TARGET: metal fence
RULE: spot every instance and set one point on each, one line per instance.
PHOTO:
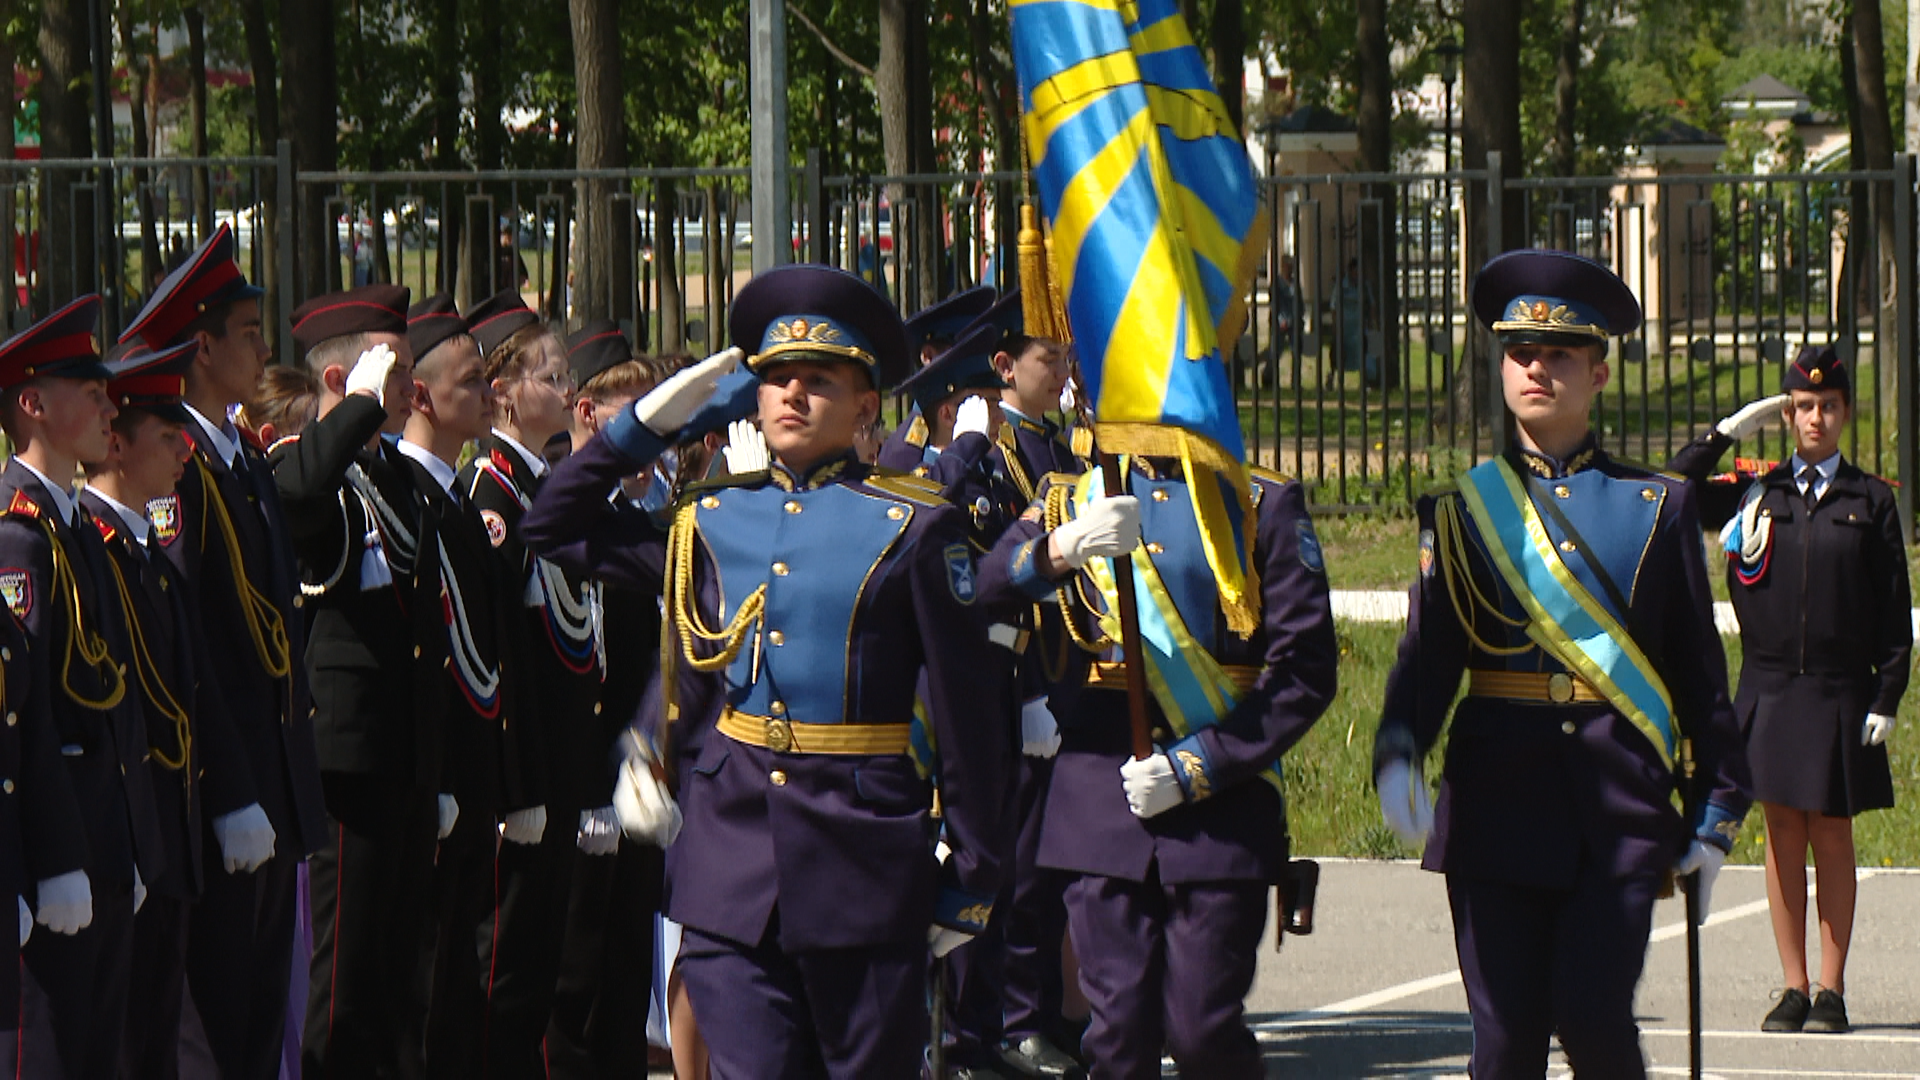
(1361, 370)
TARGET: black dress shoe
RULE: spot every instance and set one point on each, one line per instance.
(1828, 1015)
(1790, 1015)
(1035, 1056)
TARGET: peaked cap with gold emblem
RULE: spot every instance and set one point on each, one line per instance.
(61, 345)
(1537, 296)
(1817, 367)
(805, 311)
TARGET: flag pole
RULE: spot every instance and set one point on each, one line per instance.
(1114, 482)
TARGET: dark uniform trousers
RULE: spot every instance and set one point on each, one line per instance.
(378, 713)
(78, 984)
(605, 978)
(240, 941)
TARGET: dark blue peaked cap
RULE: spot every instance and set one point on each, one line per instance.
(805, 311)
(968, 365)
(1553, 296)
(948, 319)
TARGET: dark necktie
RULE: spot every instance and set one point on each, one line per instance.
(1810, 476)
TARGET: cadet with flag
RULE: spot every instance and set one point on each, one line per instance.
(1570, 588)
(1166, 808)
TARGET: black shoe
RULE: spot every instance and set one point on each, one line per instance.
(1035, 1056)
(1828, 1015)
(1790, 1015)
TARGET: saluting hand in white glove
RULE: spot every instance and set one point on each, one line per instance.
(1752, 416)
(666, 408)
(369, 374)
(974, 417)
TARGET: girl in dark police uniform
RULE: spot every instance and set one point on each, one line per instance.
(1818, 576)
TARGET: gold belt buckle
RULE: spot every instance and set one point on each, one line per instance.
(1560, 688)
(780, 736)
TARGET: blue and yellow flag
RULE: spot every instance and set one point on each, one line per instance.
(1157, 230)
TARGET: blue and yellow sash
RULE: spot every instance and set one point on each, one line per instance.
(1565, 618)
(1193, 689)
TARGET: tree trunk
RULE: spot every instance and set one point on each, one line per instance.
(66, 228)
(984, 26)
(892, 86)
(1489, 122)
(1379, 313)
(1913, 78)
(600, 142)
(266, 118)
(152, 262)
(1229, 36)
(446, 137)
(489, 130)
(666, 267)
(197, 117)
(9, 297)
(1566, 91)
(1874, 151)
(310, 113)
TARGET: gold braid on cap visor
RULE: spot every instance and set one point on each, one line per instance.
(1541, 317)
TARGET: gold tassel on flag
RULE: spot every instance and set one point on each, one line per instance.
(1045, 312)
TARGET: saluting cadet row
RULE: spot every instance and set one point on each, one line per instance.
(875, 714)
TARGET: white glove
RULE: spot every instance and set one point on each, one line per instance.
(1106, 528)
(666, 408)
(1151, 786)
(66, 903)
(26, 920)
(746, 448)
(943, 940)
(1039, 731)
(369, 374)
(1704, 860)
(246, 838)
(599, 832)
(449, 813)
(1752, 417)
(974, 417)
(647, 814)
(139, 892)
(1875, 731)
(1404, 803)
(525, 826)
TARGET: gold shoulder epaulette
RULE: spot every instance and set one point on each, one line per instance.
(716, 483)
(22, 505)
(914, 489)
(917, 432)
(1270, 475)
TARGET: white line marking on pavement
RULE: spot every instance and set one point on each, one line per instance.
(1387, 606)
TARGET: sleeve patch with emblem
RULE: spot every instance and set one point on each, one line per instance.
(1311, 556)
(496, 526)
(1426, 553)
(17, 588)
(164, 512)
(960, 572)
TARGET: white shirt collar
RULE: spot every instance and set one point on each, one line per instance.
(534, 461)
(223, 446)
(1823, 474)
(135, 520)
(62, 494)
(439, 470)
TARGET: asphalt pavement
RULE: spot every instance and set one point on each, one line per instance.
(1375, 990)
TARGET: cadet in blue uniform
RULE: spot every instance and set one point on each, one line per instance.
(228, 539)
(145, 458)
(56, 576)
(805, 876)
(952, 418)
(1172, 856)
(1009, 986)
(934, 328)
(377, 657)
(1596, 682)
(1817, 571)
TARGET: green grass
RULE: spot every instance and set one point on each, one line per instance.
(1331, 808)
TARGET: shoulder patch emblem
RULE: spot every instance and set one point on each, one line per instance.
(164, 512)
(1311, 556)
(496, 526)
(106, 528)
(17, 588)
(22, 505)
(960, 572)
(1426, 553)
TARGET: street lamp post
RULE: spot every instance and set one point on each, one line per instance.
(1449, 53)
